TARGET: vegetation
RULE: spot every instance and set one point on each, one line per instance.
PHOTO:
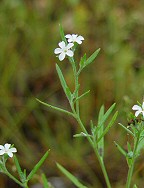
(28, 36)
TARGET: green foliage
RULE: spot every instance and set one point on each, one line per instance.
(28, 36)
(71, 177)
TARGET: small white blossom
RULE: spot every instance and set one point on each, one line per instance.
(7, 149)
(64, 50)
(138, 109)
(74, 38)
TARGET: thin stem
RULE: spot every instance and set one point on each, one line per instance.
(77, 117)
(101, 162)
(131, 168)
(76, 85)
(14, 179)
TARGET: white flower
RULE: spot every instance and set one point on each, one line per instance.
(74, 38)
(64, 50)
(138, 109)
(6, 149)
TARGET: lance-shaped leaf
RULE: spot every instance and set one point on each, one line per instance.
(84, 94)
(37, 166)
(20, 173)
(82, 61)
(126, 129)
(100, 132)
(121, 149)
(92, 57)
(82, 134)
(56, 108)
(62, 33)
(46, 184)
(70, 176)
(107, 114)
(64, 39)
(64, 84)
(111, 123)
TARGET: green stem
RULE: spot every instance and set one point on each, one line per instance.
(102, 165)
(14, 179)
(131, 168)
(101, 162)
(76, 85)
(77, 117)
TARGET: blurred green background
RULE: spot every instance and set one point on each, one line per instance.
(29, 33)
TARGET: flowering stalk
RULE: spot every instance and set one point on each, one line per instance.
(136, 130)
(131, 168)
(78, 119)
(96, 138)
(7, 151)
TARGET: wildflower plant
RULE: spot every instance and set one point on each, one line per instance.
(7, 151)
(135, 129)
(96, 136)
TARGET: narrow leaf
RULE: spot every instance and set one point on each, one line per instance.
(82, 134)
(70, 176)
(111, 123)
(82, 61)
(84, 94)
(100, 132)
(129, 147)
(92, 57)
(45, 181)
(55, 108)
(63, 83)
(20, 173)
(121, 149)
(108, 112)
(37, 166)
(126, 129)
(62, 33)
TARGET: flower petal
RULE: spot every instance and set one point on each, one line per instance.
(70, 45)
(10, 154)
(2, 152)
(1, 147)
(143, 105)
(7, 146)
(61, 56)
(57, 50)
(14, 150)
(137, 113)
(136, 107)
(68, 36)
(62, 44)
(80, 38)
(69, 53)
(78, 41)
(70, 39)
(74, 36)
